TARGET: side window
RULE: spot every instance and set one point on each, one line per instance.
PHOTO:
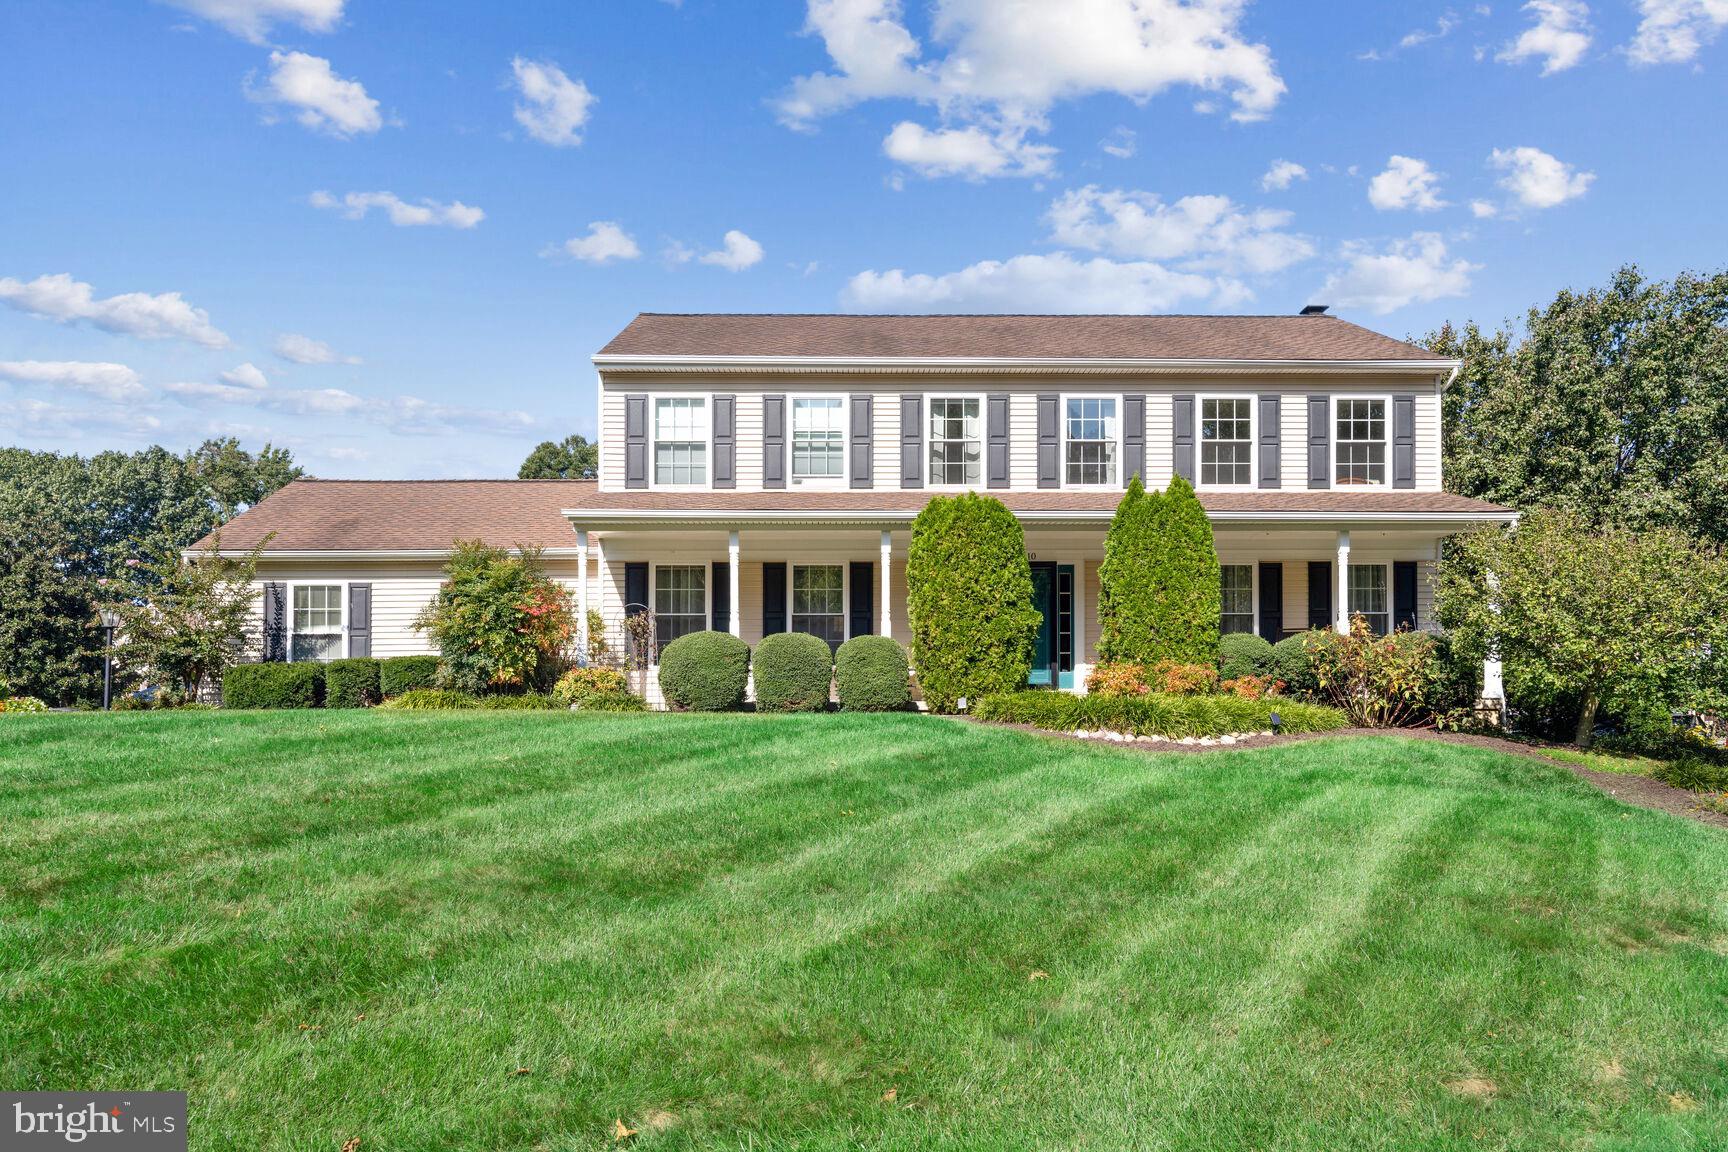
(1236, 586)
(1361, 443)
(681, 440)
(680, 601)
(956, 441)
(818, 437)
(317, 622)
(1091, 427)
(1226, 440)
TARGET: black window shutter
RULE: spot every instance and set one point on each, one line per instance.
(275, 622)
(1319, 593)
(1272, 602)
(635, 441)
(359, 620)
(996, 439)
(1134, 437)
(1049, 441)
(1182, 441)
(1319, 442)
(863, 437)
(911, 441)
(636, 587)
(1403, 441)
(1271, 473)
(720, 597)
(773, 441)
(773, 599)
(862, 594)
(725, 437)
(1404, 594)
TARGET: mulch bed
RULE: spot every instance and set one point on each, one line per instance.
(1639, 791)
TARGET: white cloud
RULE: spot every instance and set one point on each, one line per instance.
(1443, 27)
(426, 213)
(605, 241)
(1674, 31)
(325, 101)
(737, 252)
(970, 152)
(1281, 175)
(1560, 36)
(159, 317)
(1041, 283)
(1203, 233)
(409, 415)
(1410, 271)
(1120, 143)
(1001, 66)
(109, 381)
(1484, 209)
(1406, 183)
(554, 107)
(1537, 179)
(293, 347)
(199, 390)
(76, 421)
(253, 19)
(244, 376)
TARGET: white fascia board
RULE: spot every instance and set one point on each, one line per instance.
(1020, 363)
(403, 554)
(590, 517)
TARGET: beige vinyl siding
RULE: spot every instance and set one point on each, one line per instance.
(1292, 441)
(1428, 441)
(612, 439)
(750, 601)
(1022, 440)
(901, 624)
(747, 429)
(1091, 588)
(1160, 436)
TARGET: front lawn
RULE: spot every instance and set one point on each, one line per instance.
(514, 930)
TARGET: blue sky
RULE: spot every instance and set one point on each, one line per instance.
(390, 235)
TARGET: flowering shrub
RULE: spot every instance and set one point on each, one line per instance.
(1165, 676)
(1185, 679)
(1379, 681)
(1250, 687)
(1117, 680)
(497, 618)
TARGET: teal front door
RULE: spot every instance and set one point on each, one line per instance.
(1053, 596)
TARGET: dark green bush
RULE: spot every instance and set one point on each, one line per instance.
(794, 671)
(273, 685)
(1156, 715)
(400, 674)
(517, 702)
(969, 594)
(431, 700)
(871, 675)
(1244, 654)
(705, 671)
(351, 683)
(612, 702)
(1292, 664)
(1695, 772)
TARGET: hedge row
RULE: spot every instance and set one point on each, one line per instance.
(1156, 715)
(709, 672)
(356, 683)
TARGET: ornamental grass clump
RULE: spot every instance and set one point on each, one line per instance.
(1157, 714)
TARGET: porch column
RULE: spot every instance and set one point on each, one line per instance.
(582, 596)
(1341, 599)
(734, 625)
(1493, 678)
(886, 624)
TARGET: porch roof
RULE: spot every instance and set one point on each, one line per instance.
(385, 519)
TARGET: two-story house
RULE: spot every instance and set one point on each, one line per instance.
(759, 473)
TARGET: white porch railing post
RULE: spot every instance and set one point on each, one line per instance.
(1341, 601)
(734, 623)
(886, 625)
(582, 596)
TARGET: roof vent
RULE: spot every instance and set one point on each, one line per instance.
(1315, 310)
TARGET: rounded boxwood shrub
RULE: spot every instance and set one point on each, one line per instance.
(431, 700)
(1244, 654)
(400, 674)
(870, 675)
(273, 685)
(969, 594)
(705, 671)
(351, 683)
(576, 685)
(1292, 664)
(793, 673)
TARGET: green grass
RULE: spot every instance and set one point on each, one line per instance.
(741, 932)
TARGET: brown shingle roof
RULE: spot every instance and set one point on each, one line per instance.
(1298, 338)
(413, 515)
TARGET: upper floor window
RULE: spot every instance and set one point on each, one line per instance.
(818, 438)
(819, 601)
(1369, 597)
(1091, 440)
(1226, 440)
(1236, 587)
(681, 440)
(680, 601)
(317, 622)
(956, 442)
(1361, 443)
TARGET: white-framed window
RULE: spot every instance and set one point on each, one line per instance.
(316, 627)
(818, 437)
(1091, 431)
(956, 441)
(819, 601)
(1359, 441)
(1236, 598)
(680, 601)
(681, 440)
(1371, 596)
(1226, 441)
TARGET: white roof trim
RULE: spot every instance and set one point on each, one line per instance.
(619, 516)
(1025, 363)
(356, 553)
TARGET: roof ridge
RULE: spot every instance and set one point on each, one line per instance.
(998, 315)
(441, 480)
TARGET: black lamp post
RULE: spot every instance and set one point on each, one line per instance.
(110, 622)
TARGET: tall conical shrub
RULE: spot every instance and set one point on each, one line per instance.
(1127, 606)
(1186, 580)
(969, 594)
